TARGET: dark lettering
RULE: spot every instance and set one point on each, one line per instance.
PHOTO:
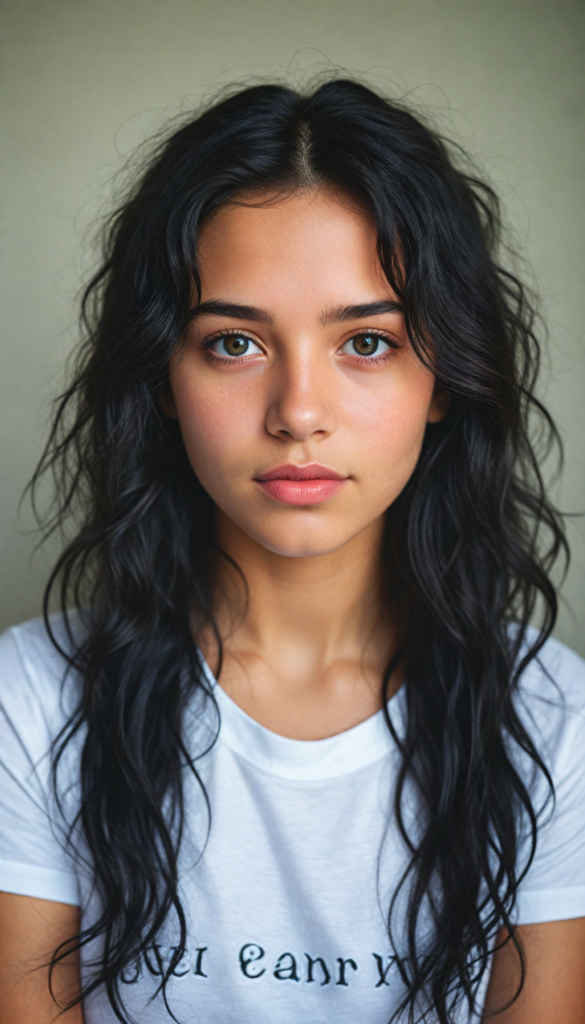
(341, 980)
(317, 960)
(158, 969)
(383, 971)
(176, 972)
(131, 980)
(198, 963)
(248, 955)
(286, 968)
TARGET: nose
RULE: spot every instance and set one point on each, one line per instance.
(302, 403)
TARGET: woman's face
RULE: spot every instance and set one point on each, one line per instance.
(298, 364)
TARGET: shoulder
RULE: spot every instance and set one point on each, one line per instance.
(37, 697)
(550, 700)
(558, 665)
(38, 692)
(551, 704)
(553, 682)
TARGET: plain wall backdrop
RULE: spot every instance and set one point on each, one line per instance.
(84, 81)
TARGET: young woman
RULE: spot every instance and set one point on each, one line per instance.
(292, 752)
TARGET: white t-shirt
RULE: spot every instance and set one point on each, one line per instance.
(286, 903)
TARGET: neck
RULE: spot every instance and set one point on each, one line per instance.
(304, 655)
(307, 613)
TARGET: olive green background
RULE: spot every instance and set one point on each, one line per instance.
(84, 81)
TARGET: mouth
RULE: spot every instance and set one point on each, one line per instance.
(301, 485)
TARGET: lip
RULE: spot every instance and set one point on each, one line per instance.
(301, 485)
(290, 472)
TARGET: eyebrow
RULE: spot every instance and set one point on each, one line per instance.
(233, 310)
(339, 314)
(360, 312)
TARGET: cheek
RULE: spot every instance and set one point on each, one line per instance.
(389, 428)
(216, 431)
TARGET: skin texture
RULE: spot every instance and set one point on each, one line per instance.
(305, 656)
(30, 930)
(554, 990)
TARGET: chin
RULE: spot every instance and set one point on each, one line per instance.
(291, 542)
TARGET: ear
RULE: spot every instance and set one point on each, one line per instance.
(440, 405)
(166, 402)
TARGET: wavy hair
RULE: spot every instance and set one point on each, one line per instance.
(471, 539)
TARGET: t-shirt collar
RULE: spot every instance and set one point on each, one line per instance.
(346, 752)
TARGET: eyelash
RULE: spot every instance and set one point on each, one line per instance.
(208, 343)
(393, 346)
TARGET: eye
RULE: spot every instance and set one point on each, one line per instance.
(366, 344)
(233, 345)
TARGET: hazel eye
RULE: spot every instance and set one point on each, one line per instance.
(366, 345)
(235, 345)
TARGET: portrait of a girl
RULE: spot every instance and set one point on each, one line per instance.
(293, 743)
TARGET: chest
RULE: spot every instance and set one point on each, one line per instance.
(286, 903)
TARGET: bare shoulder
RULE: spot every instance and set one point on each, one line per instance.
(30, 930)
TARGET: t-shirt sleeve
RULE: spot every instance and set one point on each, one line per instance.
(554, 887)
(33, 850)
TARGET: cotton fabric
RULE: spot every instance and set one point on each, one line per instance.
(286, 896)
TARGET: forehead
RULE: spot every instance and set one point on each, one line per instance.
(313, 243)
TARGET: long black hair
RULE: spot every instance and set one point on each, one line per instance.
(471, 539)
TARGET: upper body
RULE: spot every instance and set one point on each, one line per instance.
(286, 898)
(297, 447)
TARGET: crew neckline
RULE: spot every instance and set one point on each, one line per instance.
(308, 760)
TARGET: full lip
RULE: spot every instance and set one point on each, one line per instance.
(313, 471)
(301, 485)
